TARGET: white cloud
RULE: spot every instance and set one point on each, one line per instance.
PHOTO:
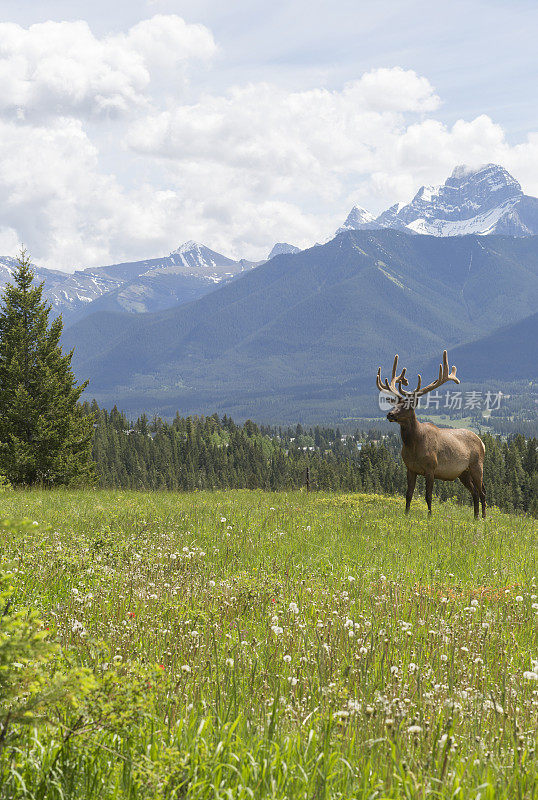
(9, 241)
(168, 41)
(67, 212)
(316, 151)
(394, 89)
(61, 68)
(237, 170)
(265, 128)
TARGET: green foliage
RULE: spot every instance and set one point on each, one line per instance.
(44, 436)
(23, 650)
(32, 682)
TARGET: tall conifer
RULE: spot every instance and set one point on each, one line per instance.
(45, 435)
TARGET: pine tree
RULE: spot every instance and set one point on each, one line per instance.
(45, 434)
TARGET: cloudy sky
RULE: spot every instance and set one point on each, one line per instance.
(127, 127)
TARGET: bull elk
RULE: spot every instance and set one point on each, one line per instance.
(434, 452)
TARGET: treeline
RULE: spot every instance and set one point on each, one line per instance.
(215, 453)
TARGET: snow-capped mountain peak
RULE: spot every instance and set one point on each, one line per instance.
(187, 247)
(461, 170)
(479, 200)
(198, 259)
(282, 248)
(362, 214)
(358, 219)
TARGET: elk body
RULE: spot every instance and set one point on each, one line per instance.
(444, 453)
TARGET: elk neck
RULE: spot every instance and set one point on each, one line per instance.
(409, 429)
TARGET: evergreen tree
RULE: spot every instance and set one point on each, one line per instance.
(45, 434)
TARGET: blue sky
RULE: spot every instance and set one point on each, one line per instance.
(286, 115)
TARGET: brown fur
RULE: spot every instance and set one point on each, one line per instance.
(446, 454)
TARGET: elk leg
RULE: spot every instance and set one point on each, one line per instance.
(467, 481)
(411, 481)
(477, 475)
(429, 490)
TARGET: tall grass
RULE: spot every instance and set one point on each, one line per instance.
(254, 645)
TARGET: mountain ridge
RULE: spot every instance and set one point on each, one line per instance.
(134, 286)
(483, 201)
(311, 324)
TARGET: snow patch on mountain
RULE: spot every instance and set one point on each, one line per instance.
(195, 256)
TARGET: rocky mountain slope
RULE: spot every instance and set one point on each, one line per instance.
(138, 286)
(282, 247)
(312, 325)
(150, 285)
(482, 201)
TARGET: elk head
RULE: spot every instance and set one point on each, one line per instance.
(405, 402)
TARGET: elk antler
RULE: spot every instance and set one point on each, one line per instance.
(401, 380)
(444, 376)
(395, 379)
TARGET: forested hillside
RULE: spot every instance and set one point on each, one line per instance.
(306, 332)
(214, 453)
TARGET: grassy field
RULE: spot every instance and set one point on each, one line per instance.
(256, 645)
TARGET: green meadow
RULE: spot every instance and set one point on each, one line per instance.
(247, 644)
